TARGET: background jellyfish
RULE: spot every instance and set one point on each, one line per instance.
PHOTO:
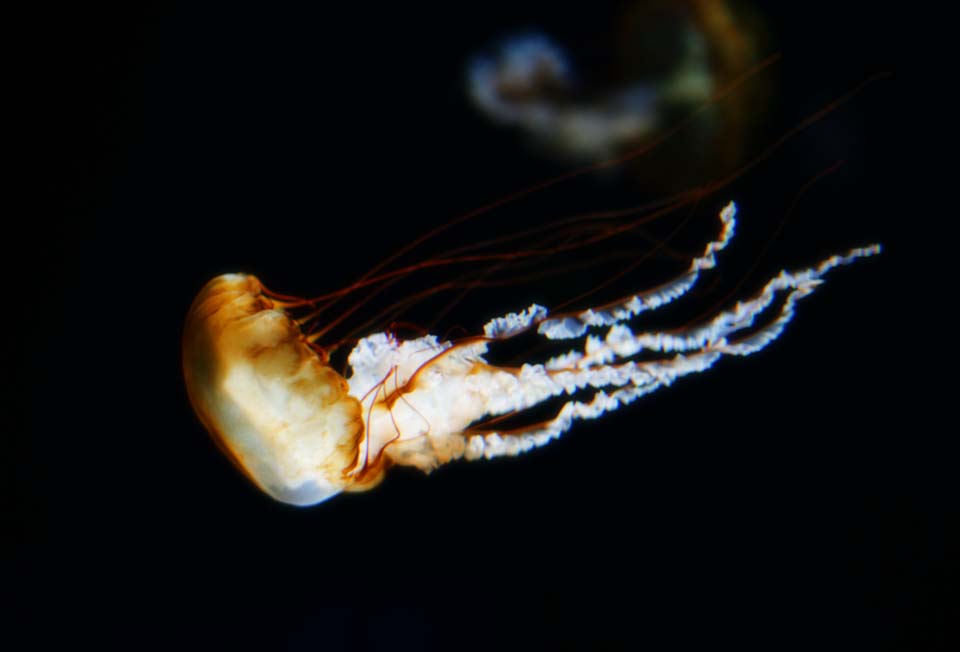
(668, 60)
(528, 84)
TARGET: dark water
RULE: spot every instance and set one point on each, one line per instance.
(798, 499)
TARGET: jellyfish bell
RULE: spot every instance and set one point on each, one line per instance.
(271, 404)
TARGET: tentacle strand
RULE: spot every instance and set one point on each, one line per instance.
(575, 325)
(697, 349)
(440, 394)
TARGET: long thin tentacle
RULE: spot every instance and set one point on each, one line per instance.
(696, 350)
(573, 325)
(453, 399)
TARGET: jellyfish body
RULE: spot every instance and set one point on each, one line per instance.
(662, 60)
(304, 433)
(528, 86)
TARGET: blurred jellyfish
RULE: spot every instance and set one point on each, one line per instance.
(672, 58)
(530, 85)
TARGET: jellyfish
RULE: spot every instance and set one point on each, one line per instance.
(303, 432)
(665, 58)
(529, 84)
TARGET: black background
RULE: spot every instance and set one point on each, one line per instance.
(798, 499)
